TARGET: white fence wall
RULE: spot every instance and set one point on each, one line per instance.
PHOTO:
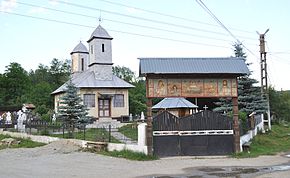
(140, 147)
(36, 138)
(252, 133)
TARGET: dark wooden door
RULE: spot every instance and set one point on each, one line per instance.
(104, 108)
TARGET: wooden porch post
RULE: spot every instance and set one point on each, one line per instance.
(149, 136)
(236, 125)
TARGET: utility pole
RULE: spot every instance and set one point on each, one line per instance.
(264, 75)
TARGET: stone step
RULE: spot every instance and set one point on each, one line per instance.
(106, 119)
(106, 124)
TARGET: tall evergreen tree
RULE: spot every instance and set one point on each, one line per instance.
(249, 96)
(71, 110)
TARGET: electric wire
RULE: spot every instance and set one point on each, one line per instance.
(148, 20)
(168, 15)
(117, 31)
(126, 23)
(200, 2)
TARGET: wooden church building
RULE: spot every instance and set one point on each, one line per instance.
(105, 95)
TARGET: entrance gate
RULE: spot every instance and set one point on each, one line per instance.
(203, 133)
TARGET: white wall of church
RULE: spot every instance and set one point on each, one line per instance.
(96, 53)
(115, 111)
(56, 101)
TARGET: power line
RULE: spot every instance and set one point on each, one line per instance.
(167, 15)
(279, 59)
(223, 26)
(146, 19)
(279, 52)
(126, 23)
(118, 31)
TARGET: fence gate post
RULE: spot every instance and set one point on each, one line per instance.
(236, 125)
(149, 137)
(110, 133)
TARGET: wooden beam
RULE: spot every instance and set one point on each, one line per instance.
(149, 135)
(236, 125)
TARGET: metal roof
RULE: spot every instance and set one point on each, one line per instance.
(87, 79)
(170, 103)
(100, 32)
(80, 48)
(227, 65)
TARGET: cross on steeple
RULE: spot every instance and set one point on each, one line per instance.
(100, 18)
(205, 107)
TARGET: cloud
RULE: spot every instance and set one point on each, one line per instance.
(37, 10)
(53, 2)
(132, 10)
(8, 5)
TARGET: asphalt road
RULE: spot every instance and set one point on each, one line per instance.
(61, 160)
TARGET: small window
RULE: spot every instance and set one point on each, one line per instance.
(119, 100)
(82, 64)
(92, 49)
(89, 100)
(103, 47)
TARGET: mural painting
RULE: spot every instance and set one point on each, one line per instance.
(210, 87)
(160, 88)
(192, 88)
(224, 87)
(174, 87)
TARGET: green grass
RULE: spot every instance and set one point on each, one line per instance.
(130, 131)
(127, 154)
(275, 141)
(93, 134)
(24, 143)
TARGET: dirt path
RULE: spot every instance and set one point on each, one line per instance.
(61, 159)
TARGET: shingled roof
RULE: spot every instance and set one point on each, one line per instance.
(228, 65)
(87, 79)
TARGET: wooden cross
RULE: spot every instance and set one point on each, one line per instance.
(205, 107)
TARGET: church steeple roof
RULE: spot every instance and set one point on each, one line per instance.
(101, 33)
(80, 48)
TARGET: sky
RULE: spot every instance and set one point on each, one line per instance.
(33, 32)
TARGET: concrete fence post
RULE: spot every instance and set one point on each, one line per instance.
(142, 134)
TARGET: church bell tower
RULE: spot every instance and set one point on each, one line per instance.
(100, 54)
(79, 57)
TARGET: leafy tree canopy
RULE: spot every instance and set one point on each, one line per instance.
(124, 73)
(137, 95)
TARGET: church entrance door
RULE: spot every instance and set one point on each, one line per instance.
(104, 108)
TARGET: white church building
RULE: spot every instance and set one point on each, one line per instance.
(105, 95)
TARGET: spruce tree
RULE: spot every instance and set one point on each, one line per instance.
(71, 110)
(249, 96)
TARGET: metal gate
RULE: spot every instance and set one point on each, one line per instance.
(203, 133)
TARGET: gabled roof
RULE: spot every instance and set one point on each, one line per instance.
(101, 33)
(80, 48)
(228, 65)
(170, 103)
(87, 79)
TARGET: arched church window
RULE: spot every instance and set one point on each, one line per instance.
(103, 47)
